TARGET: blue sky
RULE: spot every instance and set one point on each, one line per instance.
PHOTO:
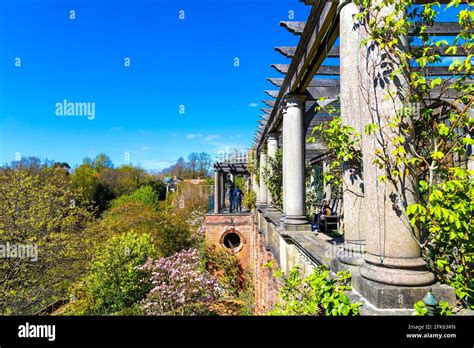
(173, 62)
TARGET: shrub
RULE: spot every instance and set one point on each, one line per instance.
(170, 233)
(115, 283)
(443, 309)
(179, 285)
(317, 294)
(226, 266)
(145, 194)
(447, 221)
(249, 199)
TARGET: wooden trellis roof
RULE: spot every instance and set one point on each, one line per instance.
(306, 74)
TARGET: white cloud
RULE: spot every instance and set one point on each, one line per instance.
(193, 136)
(211, 137)
(253, 105)
(145, 148)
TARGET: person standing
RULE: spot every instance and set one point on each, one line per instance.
(238, 199)
(231, 199)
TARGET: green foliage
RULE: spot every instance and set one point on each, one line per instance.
(38, 208)
(115, 284)
(420, 309)
(253, 165)
(170, 233)
(236, 282)
(100, 182)
(239, 182)
(249, 199)
(317, 294)
(87, 179)
(228, 269)
(273, 177)
(145, 194)
(447, 219)
(344, 144)
(443, 309)
(173, 235)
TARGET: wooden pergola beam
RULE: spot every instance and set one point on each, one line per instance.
(289, 51)
(272, 93)
(295, 28)
(316, 82)
(442, 51)
(270, 103)
(441, 29)
(323, 70)
(316, 93)
(281, 68)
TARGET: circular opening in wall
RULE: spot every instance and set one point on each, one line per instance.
(232, 240)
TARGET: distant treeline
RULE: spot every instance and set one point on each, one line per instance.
(98, 179)
(197, 166)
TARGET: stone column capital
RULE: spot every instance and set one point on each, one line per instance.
(293, 100)
(273, 135)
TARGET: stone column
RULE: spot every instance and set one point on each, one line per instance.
(294, 157)
(263, 195)
(285, 192)
(352, 185)
(222, 191)
(272, 147)
(216, 192)
(393, 254)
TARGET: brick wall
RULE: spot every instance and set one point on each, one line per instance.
(251, 253)
(219, 225)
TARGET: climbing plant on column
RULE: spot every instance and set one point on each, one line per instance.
(342, 141)
(432, 130)
(273, 177)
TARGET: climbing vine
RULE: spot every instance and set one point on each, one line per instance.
(273, 177)
(343, 142)
(253, 164)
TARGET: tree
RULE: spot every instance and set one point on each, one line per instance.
(193, 163)
(145, 194)
(102, 161)
(179, 167)
(204, 164)
(170, 234)
(45, 213)
(88, 181)
(124, 179)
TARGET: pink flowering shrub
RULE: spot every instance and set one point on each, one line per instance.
(180, 284)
